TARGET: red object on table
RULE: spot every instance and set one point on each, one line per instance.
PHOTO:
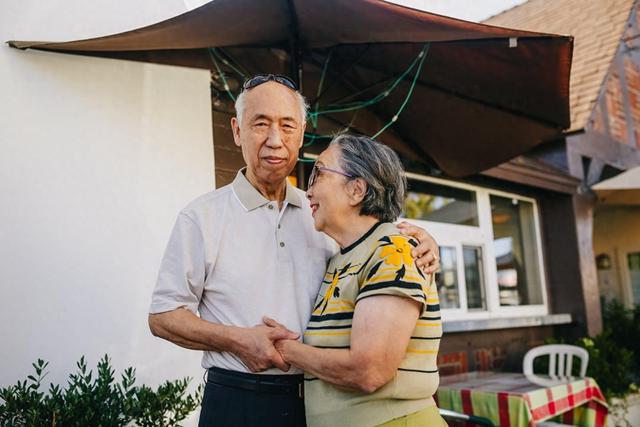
(511, 400)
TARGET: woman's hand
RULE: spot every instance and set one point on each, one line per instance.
(284, 346)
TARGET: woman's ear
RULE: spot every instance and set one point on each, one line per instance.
(357, 190)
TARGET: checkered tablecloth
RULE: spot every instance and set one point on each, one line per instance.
(511, 400)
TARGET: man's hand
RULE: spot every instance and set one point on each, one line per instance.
(427, 253)
(255, 347)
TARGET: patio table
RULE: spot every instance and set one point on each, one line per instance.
(510, 399)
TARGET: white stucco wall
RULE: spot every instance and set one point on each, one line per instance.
(97, 157)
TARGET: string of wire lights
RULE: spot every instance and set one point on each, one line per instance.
(314, 115)
(237, 68)
(221, 74)
(422, 55)
(353, 106)
(339, 108)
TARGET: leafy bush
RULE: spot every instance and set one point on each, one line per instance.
(610, 364)
(624, 327)
(99, 401)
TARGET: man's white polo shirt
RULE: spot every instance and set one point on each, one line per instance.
(234, 257)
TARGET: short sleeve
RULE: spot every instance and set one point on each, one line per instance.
(391, 270)
(182, 270)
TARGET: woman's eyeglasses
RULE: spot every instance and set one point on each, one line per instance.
(259, 79)
(317, 169)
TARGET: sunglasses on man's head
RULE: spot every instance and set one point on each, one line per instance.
(257, 80)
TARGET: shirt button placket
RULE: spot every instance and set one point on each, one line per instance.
(281, 243)
(279, 234)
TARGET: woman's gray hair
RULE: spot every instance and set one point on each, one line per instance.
(380, 167)
(241, 100)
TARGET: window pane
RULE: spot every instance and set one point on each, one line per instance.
(634, 274)
(440, 203)
(516, 251)
(473, 277)
(447, 278)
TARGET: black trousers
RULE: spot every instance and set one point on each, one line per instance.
(241, 399)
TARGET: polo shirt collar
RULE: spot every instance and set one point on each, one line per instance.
(292, 196)
(250, 198)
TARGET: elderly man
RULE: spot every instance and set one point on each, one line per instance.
(245, 251)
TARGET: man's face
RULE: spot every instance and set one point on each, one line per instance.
(271, 133)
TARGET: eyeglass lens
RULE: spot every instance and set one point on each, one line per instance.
(312, 176)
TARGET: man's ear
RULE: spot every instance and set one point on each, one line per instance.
(357, 190)
(235, 128)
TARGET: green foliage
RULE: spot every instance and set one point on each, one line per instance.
(624, 327)
(95, 401)
(418, 205)
(166, 406)
(610, 364)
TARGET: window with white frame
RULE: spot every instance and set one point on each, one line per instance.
(491, 260)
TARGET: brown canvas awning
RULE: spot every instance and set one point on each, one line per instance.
(485, 94)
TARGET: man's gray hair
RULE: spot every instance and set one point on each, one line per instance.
(241, 100)
(380, 167)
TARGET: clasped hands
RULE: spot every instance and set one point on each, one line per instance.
(257, 347)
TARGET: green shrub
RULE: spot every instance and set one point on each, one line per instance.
(95, 401)
(624, 327)
(610, 364)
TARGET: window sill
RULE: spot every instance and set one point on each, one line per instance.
(453, 326)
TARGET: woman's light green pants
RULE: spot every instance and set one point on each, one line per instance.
(428, 417)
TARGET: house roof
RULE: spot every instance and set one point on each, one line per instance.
(597, 27)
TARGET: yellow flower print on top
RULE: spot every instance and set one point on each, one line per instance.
(331, 288)
(332, 291)
(398, 253)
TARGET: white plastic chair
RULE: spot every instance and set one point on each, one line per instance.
(560, 363)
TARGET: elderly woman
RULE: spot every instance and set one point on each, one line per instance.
(369, 351)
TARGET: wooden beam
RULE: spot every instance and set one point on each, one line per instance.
(595, 145)
(530, 172)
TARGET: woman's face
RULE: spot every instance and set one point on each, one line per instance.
(328, 196)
